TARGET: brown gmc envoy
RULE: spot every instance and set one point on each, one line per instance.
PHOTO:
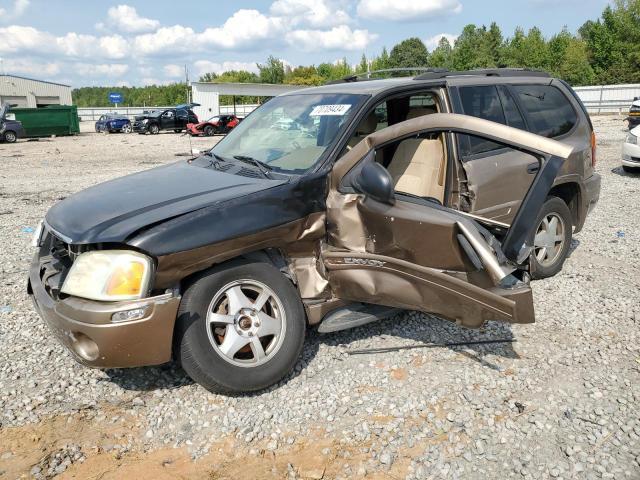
(329, 207)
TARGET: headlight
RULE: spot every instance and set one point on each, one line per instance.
(632, 139)
(109, 275)
(146, 120)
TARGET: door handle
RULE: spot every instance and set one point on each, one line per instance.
(533, 167)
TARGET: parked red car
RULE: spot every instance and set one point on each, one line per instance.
(218, 124)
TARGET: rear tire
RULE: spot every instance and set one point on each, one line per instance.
(551, 239)
(256, 311)
(126, 128)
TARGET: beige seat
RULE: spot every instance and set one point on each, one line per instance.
(416, 112)
(366, 127)
(418, 167)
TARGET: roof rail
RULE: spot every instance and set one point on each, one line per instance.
(487, 72)
(367, 75)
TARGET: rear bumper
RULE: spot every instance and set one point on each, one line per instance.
(85, 327)
(592, 191)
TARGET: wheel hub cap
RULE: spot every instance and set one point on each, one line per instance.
(246, 323)
(549, 239)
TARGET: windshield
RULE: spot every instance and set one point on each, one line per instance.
(290, 133)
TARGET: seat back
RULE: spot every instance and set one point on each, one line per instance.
(418, 167)
(366, 127)
(416, 112)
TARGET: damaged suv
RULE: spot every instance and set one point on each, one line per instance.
(224, 260)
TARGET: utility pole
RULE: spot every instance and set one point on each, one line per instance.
(186, 77)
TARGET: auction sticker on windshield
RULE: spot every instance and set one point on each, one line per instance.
(339, 109)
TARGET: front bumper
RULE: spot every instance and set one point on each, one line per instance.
(85, 327)
(140, 127)
(193, 130)
(631, 155)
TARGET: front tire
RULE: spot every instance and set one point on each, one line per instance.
(208, 131)
(629, 169)
(551, 239)
(154, 129)
(240, 328)
(10, 136)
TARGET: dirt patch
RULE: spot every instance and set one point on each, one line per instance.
(34, 451)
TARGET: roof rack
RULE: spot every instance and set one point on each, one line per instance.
(486, 72)
(429, 73)
(367, 75)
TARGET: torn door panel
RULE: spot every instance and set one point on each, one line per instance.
(396, 283)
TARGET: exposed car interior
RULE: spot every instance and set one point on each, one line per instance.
(417, 165)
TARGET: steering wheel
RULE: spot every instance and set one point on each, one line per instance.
(296, 145)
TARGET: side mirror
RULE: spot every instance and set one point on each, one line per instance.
(374, 181)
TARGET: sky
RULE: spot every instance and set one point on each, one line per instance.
(133, 43)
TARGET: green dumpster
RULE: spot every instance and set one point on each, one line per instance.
(49, 120)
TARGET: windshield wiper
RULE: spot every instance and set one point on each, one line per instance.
(262, 166)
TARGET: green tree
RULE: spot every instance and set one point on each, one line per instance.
(513, 54)
(472, 49)
(381, 62)
(535, 52)
(363, 66)
(613, 43)
(441, 56)
(409, 53)
(272, 71)
(495, 44)
(304, 76)
(575, 67)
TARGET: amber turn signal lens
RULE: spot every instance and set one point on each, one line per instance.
(593, 149)
(126, 279)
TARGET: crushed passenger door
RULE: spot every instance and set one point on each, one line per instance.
(415, 254)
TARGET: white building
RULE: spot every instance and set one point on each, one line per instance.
(27, 92)
(207, 94)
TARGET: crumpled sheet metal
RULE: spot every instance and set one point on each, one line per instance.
(310, 276)
(397, 283)
(298, 238)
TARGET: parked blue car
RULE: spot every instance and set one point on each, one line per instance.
(113, 123)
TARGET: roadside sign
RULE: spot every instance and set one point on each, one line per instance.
(115, 97)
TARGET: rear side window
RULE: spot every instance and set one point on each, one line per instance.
(549, 112)
(482, 102)
(511, 112)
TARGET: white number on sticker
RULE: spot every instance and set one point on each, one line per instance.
(320, 110)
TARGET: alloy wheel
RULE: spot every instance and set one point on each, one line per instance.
(246, 323)
(126, 128)
(549, 240)
(10, 137)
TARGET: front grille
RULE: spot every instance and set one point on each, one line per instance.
(55, 257)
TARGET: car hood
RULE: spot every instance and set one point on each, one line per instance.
(114, 210)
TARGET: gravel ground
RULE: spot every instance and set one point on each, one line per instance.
(559, 402)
